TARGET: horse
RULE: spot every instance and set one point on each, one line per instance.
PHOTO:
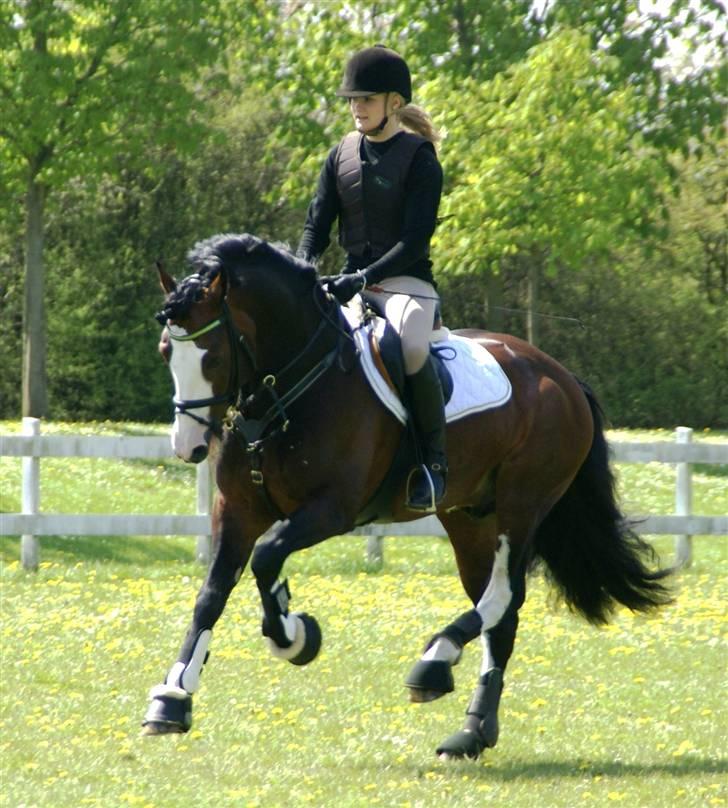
(267, 383)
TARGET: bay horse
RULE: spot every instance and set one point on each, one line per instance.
(266, 379)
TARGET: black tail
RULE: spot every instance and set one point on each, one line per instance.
(591, 552)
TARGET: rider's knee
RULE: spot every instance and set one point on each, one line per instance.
(415, 355)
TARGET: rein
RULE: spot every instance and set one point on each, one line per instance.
(254, 433)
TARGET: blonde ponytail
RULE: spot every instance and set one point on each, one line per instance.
(417, 120)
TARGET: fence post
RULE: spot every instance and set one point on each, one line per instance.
(203, 549)
(30, 498)
(375, 551)
(683, 499)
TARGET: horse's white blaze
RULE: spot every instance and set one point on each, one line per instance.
(494, 601)
(189, 384)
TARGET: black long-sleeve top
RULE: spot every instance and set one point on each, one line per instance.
(409, 256)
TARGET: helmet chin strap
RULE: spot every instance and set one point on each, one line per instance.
(385, 120)
(378, 129)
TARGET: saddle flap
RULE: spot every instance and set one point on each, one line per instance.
(386, 348)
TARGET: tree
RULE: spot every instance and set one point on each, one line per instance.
(544, 165)
(672, 56)
(700, 220)
(79, 78)
(471, 40)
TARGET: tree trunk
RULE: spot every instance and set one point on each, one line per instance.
(532, 316)
(494, 302)
(35, 398)
(464, 35)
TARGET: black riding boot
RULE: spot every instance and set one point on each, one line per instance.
(426, 486)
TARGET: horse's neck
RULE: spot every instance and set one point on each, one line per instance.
(284, 322)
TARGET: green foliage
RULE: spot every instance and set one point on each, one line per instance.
(543, 161)
(79, 78)
(699, 217)
(562, 130)
(11, 310)
(103, 289)
(681, 98)
(314, 40)
(640, 331)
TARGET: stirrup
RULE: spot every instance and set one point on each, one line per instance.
(422, 500)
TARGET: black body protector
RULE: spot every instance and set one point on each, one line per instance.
(372, 193)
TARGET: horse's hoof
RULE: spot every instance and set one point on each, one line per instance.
(429, 680)
(312, 642)
(162, 728)
(420, 696)
(167, 714)
(463, 744)
(306, 643)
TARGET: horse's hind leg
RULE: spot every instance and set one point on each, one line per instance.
(523, 502)
(474, 542)
(431, 677)
(498, 609)
(497, 606)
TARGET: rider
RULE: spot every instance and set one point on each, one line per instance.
(383, 183)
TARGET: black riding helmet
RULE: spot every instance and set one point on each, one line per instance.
(376, 70)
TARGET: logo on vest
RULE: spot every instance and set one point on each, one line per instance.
(382, 182)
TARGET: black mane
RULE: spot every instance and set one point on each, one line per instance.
(234, 253)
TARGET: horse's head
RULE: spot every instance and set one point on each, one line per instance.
(222, 329)
(196, 347)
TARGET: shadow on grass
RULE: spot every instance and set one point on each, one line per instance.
(115, 549)
(551, 769)
(714, 469)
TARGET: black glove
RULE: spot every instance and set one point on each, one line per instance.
(345, 287)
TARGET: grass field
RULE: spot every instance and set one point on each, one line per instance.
(634, 714)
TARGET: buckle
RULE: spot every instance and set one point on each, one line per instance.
(256, 476)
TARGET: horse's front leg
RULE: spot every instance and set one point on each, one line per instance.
(293, 636)
(170, 708)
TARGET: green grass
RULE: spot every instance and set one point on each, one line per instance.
(633, 714)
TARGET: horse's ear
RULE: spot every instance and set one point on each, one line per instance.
(166, 281)
(218, 285)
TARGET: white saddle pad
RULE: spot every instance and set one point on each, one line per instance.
(479, 381)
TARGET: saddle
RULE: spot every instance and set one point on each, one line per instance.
(471, 378)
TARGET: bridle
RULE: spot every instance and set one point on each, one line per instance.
(253, 432)
(235, 339)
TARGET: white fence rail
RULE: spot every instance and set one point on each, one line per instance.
(32, 522)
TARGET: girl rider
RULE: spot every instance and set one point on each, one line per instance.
(383, 184)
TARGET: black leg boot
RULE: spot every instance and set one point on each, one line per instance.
(426, 485)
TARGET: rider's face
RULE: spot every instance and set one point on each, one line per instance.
(368, 111)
